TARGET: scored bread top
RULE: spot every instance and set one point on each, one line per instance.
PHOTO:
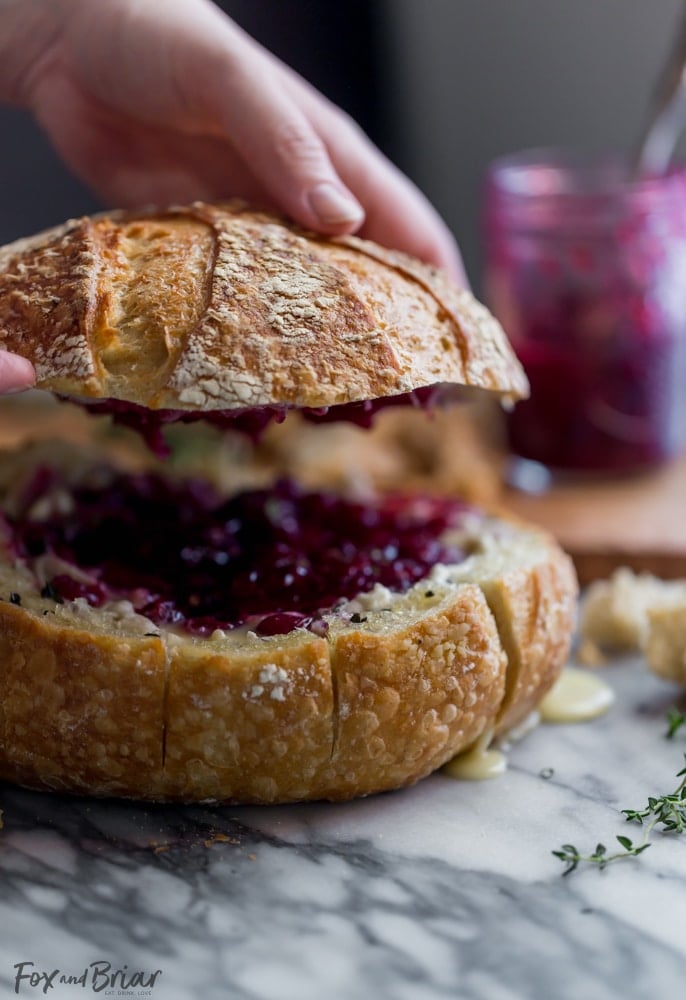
(213, 307)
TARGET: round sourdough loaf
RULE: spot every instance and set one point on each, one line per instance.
(214, 307)
(103, 701)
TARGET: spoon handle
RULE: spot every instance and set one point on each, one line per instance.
(668, 115)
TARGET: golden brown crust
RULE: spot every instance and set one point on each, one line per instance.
(92, 703)
(288, 719)
(531, 588)
(81, 712)
(410, 700)
(220, 307)
(536, 611)
(251, 725)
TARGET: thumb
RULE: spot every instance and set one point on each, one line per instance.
(16, 373)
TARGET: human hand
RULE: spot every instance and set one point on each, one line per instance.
(150, 101)
(15, 373)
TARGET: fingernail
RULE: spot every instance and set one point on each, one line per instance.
(16, 373)
(334, 206)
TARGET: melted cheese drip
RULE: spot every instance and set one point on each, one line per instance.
(576, 696)
(478, 763)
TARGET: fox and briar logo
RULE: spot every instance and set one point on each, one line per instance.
(99, 976)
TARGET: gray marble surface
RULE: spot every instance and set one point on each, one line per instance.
(445, 890)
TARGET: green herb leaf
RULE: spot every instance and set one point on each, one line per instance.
(666, 812)
(675, 720)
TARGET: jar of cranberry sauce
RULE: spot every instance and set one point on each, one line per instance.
(586, 269)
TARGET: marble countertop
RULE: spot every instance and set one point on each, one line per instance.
(445, 890)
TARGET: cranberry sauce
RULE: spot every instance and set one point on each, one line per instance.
(252, 421)
(273, 560)
(607, 406)
(586, 269)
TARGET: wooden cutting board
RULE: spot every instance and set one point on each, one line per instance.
(638, 522)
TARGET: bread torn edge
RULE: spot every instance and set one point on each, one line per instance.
(636, 613)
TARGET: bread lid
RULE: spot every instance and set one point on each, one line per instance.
(216, 307)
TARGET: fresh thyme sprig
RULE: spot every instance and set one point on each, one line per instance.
(665, 811)
(573, 858)
(668, 810)
(675, 720)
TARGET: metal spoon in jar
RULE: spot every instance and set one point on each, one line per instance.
(668, 115)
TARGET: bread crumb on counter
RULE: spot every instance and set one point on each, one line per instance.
(636, 612)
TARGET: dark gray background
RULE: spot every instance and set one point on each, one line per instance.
(441, 85)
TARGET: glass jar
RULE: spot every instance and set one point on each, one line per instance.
(586, 270)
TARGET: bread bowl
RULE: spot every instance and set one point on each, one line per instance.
(101, 692)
